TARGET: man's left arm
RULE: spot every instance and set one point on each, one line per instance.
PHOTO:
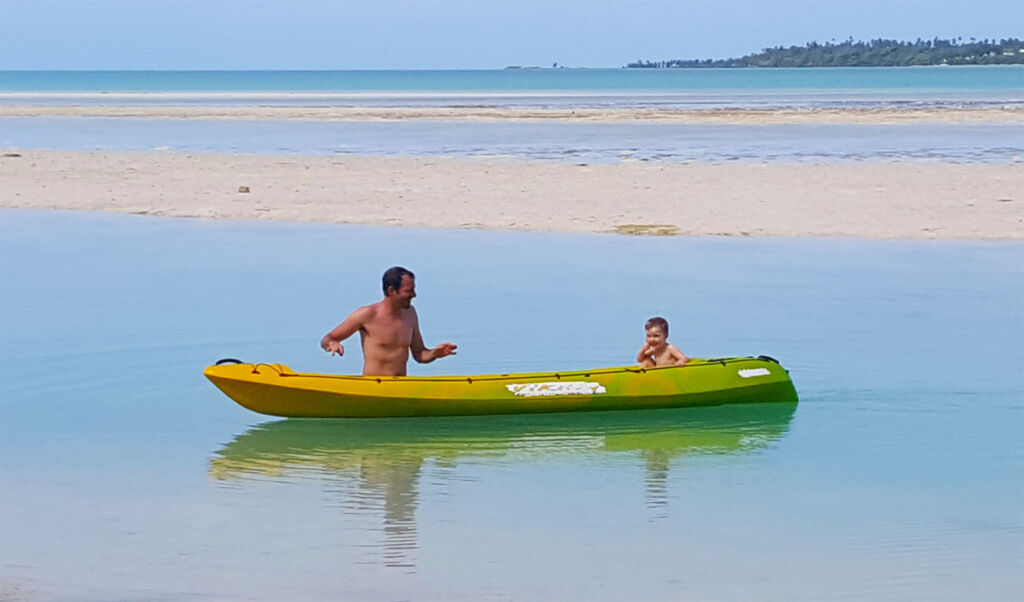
(419, 351)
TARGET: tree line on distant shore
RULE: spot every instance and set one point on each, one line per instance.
(874, 53)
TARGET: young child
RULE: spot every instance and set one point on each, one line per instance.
(657, 351)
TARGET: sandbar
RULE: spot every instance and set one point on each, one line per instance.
(1000, 113)
(887, 200)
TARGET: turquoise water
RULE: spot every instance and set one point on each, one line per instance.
(125, 476)
(623, 88)
(878, 78)
(840, 88)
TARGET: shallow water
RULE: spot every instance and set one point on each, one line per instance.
(124, 475)
(505, 87)
(998, 143)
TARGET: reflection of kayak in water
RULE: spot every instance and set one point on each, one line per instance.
(276, 448)
(277, 390)
(383, 469)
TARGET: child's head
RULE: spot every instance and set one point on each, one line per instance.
(657, 330)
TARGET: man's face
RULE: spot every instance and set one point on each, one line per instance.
(406, 292)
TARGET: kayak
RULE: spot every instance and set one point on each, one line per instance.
(277, 390)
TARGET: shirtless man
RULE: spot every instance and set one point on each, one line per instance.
(389, 329)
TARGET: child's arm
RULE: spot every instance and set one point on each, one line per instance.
(643, 357)
(677, 355)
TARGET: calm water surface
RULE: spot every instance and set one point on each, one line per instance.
(999, 143)
(803, 89)
(125, 476)
(833, 88)
(531, 87)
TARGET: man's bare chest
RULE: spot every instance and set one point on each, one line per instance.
(389, 333)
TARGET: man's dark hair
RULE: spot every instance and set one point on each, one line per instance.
(393, 278)
(659, 322)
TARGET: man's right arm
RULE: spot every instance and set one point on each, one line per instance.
(331, 342)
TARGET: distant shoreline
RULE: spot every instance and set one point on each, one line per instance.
(511, 68)
(873, 53)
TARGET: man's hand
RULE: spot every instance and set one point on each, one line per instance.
(333, 347)
(444, 350)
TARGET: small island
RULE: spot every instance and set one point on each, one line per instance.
(874, 53)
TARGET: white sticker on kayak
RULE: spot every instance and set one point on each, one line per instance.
(559, 388)
(750, 372)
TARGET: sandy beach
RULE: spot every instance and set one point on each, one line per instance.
(909, 200)
(111, 107)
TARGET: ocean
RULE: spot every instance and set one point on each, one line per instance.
(516, 89)
(529, 87)
(992, 143)
(126, 476)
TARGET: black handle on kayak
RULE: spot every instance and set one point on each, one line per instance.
(228, 360)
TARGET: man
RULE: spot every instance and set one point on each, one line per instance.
(389, 329)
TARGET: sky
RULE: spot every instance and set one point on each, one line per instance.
(458, 34)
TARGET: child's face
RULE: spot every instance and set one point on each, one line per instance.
(655, 337)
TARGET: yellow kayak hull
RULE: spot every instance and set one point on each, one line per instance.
(277, 390)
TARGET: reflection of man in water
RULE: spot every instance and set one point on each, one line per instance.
(388, 329)
(394, 480)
